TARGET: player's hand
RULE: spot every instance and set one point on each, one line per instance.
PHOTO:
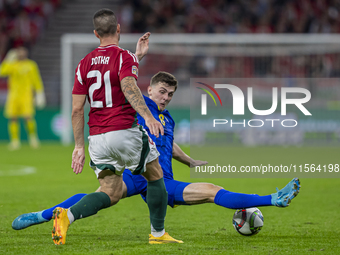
(194, 163)
(78, 159)
(11, 55)
(154, 126)
(142, 46)
(40, 100)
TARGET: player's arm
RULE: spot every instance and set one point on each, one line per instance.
(36, 78)
(142, 46)
(40, 98)
(133, 94)
(6, 66)
(78, 155)
(179, 155)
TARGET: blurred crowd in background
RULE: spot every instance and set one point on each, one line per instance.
(238, 16)
(22, 21)
(231, 16)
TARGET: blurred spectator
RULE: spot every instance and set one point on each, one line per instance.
(240, 16)
(22, 21)
(233, 16)
(3, 35)
(23, 31)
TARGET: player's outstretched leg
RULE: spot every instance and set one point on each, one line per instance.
(61, 224)
(199, 193)
(33, 218)
(283, 197)
(89, 205)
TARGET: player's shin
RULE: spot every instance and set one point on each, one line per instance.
(90, 205)
(48, 213)
(31, 126)
(14, 129)
(157, 200)
(233, 200)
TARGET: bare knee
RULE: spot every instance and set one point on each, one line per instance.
(153, 171)
(114, 196)
(199, 193)
(210, 191)
(111, 184)
(214, 189)
(115, 199)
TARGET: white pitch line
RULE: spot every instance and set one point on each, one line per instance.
(16, 170)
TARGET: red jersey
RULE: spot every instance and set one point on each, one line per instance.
(98, 76)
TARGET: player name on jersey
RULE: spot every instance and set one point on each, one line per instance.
(100, 60)
(98, 76)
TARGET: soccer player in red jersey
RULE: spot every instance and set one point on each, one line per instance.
(107, 77)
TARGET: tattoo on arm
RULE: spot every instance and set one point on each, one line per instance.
(134, 96)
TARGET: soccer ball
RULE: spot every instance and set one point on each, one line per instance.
(248, 221)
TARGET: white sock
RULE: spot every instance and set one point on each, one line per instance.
(70, 216)
(156, 233)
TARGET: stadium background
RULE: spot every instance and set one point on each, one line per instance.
(39, 25)
(32, 180)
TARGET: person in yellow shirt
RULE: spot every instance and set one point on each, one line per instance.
(24, 82)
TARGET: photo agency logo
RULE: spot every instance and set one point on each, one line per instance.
(289, 96)
(204, 97)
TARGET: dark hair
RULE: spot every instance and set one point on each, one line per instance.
(164, 77)
(105, 22)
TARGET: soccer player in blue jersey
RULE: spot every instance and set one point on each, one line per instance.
(161, 90)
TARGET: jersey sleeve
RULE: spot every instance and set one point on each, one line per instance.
(128, 65)
(6, 68)
(78, 86)
(36, 78)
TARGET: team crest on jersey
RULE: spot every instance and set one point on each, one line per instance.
(135, 70)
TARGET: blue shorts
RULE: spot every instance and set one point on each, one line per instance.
(136, 184)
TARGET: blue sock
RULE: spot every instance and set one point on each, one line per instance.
(48, 213)
(238, 200)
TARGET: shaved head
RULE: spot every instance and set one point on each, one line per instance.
(105, 22)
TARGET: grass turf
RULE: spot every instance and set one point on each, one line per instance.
(309, 225)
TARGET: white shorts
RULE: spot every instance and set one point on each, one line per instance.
(123, 149)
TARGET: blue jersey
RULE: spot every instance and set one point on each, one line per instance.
(164, 142)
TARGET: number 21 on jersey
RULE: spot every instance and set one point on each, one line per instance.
(97, 85)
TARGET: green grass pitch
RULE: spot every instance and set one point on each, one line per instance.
(32, 180)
